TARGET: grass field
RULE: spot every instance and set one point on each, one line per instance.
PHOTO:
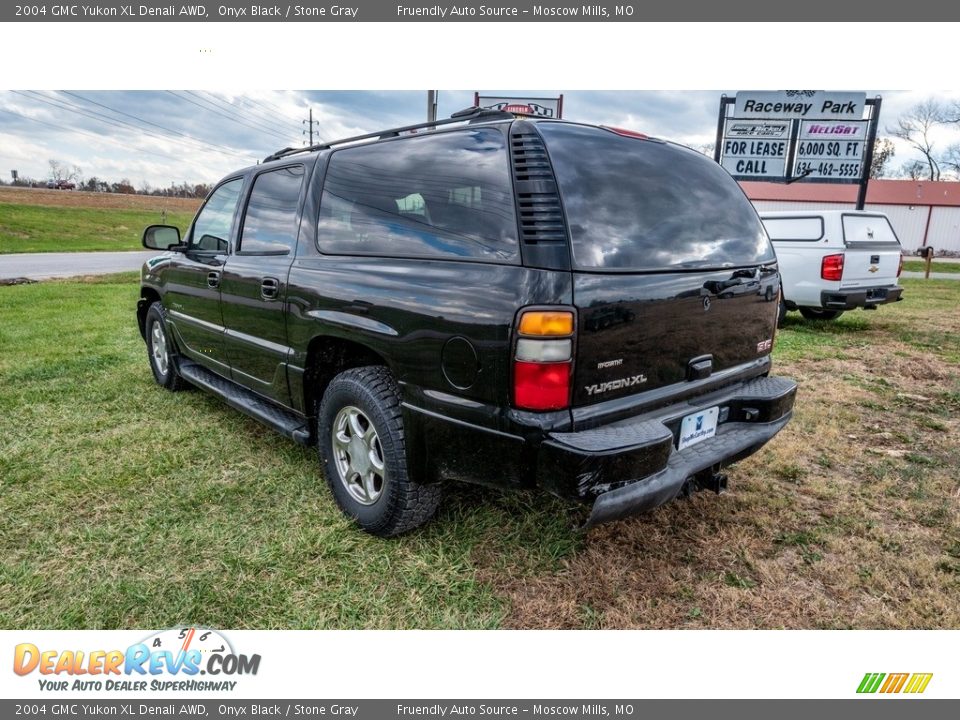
(920, 266)
(61, 221)
(124, 505)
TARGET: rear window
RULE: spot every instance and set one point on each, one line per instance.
(868, 230)
(447, 195)
(643, 205)
(794, 228)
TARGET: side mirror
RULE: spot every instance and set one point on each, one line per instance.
(161, 237)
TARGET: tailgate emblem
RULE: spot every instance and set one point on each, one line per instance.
(626, 382)
(873, 268)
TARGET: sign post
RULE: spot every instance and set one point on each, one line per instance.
(791, 135)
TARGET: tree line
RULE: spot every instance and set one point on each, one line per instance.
(61, 172)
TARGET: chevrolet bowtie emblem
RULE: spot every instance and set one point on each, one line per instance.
(873, 268)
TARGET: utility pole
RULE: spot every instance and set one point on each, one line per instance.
(431, 105)
(310, 123)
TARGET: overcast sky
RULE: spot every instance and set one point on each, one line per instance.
(193, 136)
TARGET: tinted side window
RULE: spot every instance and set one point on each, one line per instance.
(270, 224)
(211, 229)
(444, 195)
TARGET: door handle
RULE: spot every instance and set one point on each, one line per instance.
(269, 288)
(213, 279)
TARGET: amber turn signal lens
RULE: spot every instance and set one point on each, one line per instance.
(546, 323)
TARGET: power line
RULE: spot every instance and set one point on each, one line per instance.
(198, 141)
(270, 107)
(259, 112)
(230, 109)
(102, 138)
(274, 111)
(100, 117)
(209, 107)
(205, 169)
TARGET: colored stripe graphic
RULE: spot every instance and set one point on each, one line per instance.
(894, 683)
(870, 682)
(918, 683)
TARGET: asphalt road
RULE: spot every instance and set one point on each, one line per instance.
(38, 266)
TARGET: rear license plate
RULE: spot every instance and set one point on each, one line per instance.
(697, 427)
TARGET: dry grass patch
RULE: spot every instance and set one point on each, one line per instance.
(76, 198)
(848, 519)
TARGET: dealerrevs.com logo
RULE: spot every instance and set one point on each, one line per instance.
(169, 660)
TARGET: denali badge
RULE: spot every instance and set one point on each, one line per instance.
(615, 384)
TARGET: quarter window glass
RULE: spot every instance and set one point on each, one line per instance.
(444, 195)
(270, 225)
(211, 229)
(798, 228)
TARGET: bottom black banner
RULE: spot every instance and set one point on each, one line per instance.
(869, 708)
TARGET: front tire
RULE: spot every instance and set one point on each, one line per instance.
(818, 314)
(362, 448)
(160, 350)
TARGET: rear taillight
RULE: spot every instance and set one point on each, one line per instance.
(831, 267)
(542, 360)
(900, 266)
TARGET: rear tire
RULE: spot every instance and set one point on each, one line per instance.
(161, 351)
(362, 448)
(817, 314)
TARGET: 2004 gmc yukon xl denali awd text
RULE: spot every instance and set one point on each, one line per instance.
(492, 299)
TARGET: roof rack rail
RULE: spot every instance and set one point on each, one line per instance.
(471, 114)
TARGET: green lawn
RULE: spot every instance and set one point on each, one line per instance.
(920, 266)
(125, 506)
(36, 228)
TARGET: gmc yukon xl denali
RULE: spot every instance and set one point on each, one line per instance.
(488, 298)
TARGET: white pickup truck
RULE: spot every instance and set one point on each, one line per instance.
(834, 260)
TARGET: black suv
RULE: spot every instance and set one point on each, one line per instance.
(488, 298)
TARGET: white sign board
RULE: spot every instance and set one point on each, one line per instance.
(803, 104)
(830, 149)
(755, 148)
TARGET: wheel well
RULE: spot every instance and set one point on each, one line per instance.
(148, 297)
(326, 358)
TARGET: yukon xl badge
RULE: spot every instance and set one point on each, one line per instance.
(615, 384)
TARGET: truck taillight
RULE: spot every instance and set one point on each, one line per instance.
(542, 363)
(831, 267)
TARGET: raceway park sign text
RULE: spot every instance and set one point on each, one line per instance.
(802, 104)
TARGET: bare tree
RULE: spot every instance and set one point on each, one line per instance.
(883, 152)
(60, 171)
(914, 170)
(915, 127)
(951, 159)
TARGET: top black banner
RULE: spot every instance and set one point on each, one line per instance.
(475, 11)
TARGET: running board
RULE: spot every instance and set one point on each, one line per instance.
(283, 421)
